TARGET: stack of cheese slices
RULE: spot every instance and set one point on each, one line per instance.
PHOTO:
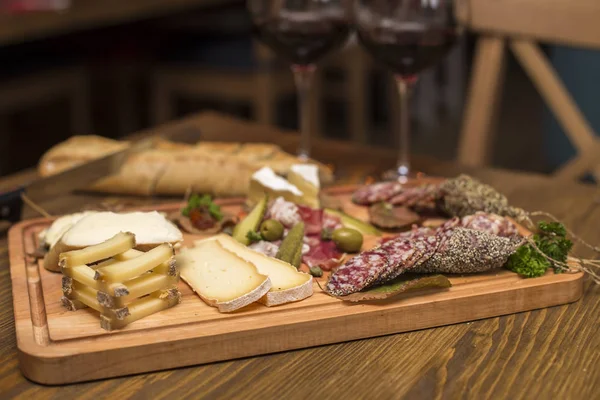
(122, 284)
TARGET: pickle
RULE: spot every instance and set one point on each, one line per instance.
(351, 222)
(291, 247)
(251, 222)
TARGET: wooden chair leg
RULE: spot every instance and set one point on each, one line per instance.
(476, 138)
(264, 100)
(560, 102)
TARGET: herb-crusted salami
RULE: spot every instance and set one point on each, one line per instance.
(358, 272)
(469, 251)
(376, 192)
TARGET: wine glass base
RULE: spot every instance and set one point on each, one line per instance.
(401, 174)
(303, 156)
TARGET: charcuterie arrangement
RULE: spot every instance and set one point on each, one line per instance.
(283, 244)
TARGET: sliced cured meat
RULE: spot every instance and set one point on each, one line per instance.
(469, 251)
(312, 218)
(284, 211)
(358, 272)
(423, 195)
(415, 232)
(422, 249)
(323, 254)
(384, 215)
(331, 222)
(491, 223)
(376, 192)
(399, 251)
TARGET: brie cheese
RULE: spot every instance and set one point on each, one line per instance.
(265, 181)
(306, 178)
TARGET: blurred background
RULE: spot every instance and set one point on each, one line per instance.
(113, 67)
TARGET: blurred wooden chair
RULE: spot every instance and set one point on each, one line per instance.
(518, 25)
(259, 85)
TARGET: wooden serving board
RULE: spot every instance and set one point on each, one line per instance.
(58, 346)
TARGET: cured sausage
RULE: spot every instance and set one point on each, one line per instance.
(469, 251)
(376, 192)
(491, 223)
(358, 272)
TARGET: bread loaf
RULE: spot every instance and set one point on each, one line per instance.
(218, 168)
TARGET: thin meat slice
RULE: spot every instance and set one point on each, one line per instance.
(491, 223)
(312, 218)
(376, 192)
(358, 272)
(323, 254)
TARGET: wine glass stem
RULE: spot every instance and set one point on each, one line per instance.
(303, 75)
(404, 88)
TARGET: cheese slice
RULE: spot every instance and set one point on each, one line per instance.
(288, 284)
(266, 181)
(221, 278)
(306, 178)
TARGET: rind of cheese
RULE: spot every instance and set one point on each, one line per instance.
(266, 181)
(151, 304)
(288, 284)
(221, 278)
(306, 178)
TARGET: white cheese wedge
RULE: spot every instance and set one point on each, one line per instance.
(221, 278)
(150, 229)
(49, 237)
(306, 178)
(266, 181)
(288, 284)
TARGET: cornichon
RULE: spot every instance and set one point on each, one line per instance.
(351, 222)
(251, 222)
(291, 247)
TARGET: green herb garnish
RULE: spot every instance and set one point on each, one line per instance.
(254, 236)
(551, 240)
(204, 201)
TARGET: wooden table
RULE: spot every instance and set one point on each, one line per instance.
(550, 353)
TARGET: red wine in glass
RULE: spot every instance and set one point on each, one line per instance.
(407, 48)
(303, 41)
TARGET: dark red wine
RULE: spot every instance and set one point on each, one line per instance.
(407, 48)
(303, 41)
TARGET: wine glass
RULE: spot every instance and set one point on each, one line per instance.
(302, 32)
(406, 36)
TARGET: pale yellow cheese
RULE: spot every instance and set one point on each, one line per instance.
(288, 284)
(221, 278)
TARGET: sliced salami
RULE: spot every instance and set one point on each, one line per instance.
(469, 251)
(491, 223)
(419, 197)
(358, 272)
(399, 251)
(376, 192)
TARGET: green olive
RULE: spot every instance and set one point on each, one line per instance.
(347, 239)
(271, 230)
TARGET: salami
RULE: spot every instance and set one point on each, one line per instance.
(358, 272)
(491, 223)
(469, 251)
(376, 192)
(399, 251)
(416, 197)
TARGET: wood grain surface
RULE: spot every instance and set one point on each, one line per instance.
(550, 353)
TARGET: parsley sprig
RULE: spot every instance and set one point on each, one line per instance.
(204, 201)
(552, 241)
